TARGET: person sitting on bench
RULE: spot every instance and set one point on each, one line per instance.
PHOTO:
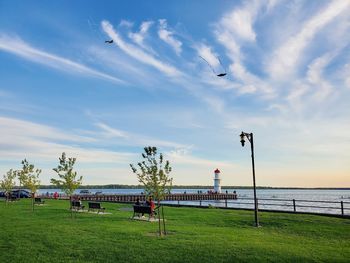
(152, 205)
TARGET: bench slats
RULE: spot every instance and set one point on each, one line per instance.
(96, 206)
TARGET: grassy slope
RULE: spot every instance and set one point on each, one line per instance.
(196, 235)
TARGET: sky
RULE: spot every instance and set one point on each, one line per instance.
(63, 89)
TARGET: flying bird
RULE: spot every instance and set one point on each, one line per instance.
(221, 74)
(218, 75)
(109, 41)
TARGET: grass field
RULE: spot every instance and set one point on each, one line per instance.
(195, 235)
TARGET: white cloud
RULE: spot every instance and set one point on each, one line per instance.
(315, 77)
(20, 48)
(233, 30)
(167, 36)
(188, 159)
(20, 139)
(138, 54)
(126, 23)
(239, 22)
(205, 52)
(285, 59)
(16, 127)
(120, 63)
(132, 138)
(346, 75)
(111, 132)
(139, 37)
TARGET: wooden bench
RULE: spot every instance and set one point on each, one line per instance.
(142, 209)
(96, 206)
(38, 201)
(77, 205)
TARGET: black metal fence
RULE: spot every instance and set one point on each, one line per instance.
(272, 204)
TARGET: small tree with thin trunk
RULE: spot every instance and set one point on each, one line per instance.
(68, 181)
(153, 173)
(29, 178)
(8, 183)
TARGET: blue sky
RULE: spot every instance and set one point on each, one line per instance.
(287, 62)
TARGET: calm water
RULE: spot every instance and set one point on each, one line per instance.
(245, 196)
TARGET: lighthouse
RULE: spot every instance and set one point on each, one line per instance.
(217, 186)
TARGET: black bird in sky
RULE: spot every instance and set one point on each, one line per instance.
(109, 41)
(221, 74)
(211, 67)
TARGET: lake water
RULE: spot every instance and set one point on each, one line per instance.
(279, 199)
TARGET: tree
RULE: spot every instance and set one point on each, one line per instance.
(68, 181)
(29, 178)
(153, 173)
(8, 183)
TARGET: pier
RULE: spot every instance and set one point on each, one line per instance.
(129, 198)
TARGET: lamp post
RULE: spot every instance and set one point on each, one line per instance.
(249, 136)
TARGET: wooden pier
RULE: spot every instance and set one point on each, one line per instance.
(127, 198)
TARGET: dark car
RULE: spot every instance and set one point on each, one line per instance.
(2, 194)
(20, 193)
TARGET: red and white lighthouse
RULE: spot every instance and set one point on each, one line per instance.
(217, 180)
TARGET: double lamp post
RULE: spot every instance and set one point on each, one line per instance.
(249, 137)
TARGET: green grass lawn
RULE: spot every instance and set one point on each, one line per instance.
(195, 235)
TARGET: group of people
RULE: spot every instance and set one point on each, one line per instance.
(149, 203)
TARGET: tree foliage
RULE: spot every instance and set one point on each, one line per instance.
(68, 181)
(8, 182)
(153, 173)
(29, 176)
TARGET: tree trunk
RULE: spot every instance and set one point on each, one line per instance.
(159, 225)
(70, 207)
(32, 202)
(163, 221)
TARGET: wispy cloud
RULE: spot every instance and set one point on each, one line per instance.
(137, 53)
(126, 23)
(17, 127)
(139, 37)
(234, 29)
(167, 36)
(133, 139)
(315, 77)
(239, 22)
(180, 157)
(20, 139)
(285, 59)
(111, 132)
(22, 49)
(206, 52)
(346, 75)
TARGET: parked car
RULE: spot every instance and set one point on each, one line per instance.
(2, 194)
(21, 193)
(85, 192)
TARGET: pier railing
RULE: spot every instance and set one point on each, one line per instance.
(169, 197)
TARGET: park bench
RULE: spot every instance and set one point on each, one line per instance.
(142, 209)
(12, 198)
(38, 201)
(96, 206)
(77, 205)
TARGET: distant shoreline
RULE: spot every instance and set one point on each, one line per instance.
(117, 186)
